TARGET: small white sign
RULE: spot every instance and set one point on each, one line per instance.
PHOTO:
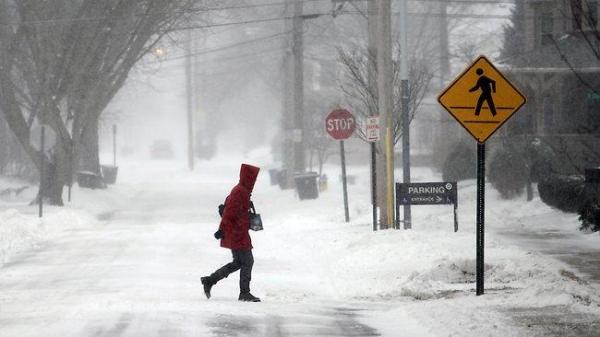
(49, 137)
(372, 129)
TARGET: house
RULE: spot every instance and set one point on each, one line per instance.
(552, 51)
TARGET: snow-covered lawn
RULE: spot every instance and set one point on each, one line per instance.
(419, 282)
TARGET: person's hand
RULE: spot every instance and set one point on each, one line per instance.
(219, 234)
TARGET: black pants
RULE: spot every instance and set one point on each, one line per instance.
(243, 261)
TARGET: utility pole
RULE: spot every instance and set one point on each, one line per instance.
(190, 98)
(202, 130)
(298, 85)
(443, 136)
(444, 53)
(405, 106)
(385, 103)
(287, 128)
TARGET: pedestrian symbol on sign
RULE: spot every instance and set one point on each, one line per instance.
(487, 86)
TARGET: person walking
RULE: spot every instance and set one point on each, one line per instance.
(234, 235)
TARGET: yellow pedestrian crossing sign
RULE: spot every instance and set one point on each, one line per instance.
(481, 99)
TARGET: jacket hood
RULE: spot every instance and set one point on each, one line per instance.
(248, 174)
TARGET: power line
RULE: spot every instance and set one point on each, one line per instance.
(188, 11)
(263, 54)
(214, 9)
(209, 51)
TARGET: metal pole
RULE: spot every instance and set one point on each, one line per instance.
(374, 184)
(397, 204)
(298, 85)
(189, 94)
(455, 218)
(372, 73)
(114, 145)
(42, 160)
(405, 107)
(345, 187)
(480, 216)
(389, 152)
(287, 115)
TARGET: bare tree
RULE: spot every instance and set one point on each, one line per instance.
(63, 61)
(358, 67)
(319, 143)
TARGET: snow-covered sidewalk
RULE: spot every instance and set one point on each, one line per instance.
(127, 261)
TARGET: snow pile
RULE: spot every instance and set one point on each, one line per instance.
(307, 251)
(14, 190)
(21, 231)
(18, 232)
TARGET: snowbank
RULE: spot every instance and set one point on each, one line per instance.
(20, 232)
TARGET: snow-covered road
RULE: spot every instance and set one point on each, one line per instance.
(137, 275)
(127, 262)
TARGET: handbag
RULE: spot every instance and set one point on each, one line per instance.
(255, 219)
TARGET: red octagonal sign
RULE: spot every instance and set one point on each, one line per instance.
(340, 124)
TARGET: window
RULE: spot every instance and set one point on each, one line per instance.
(545, 24)
(592, 16)
(547, 28)
(576, 11)
(584, 14)
(592, 109)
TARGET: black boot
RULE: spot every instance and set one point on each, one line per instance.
(248, 297)
(207, 282)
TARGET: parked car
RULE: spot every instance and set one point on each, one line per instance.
(161, 149)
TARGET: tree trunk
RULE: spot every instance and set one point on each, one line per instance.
(529, 185)
(57, 171)
(88, 154)
(88, 149)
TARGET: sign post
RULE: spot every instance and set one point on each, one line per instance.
(481, 99)
(42, 160)
(373, 135)
(42, 139)
(340, 125)
(114, 130)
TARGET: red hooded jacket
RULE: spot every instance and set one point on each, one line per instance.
(236, 220)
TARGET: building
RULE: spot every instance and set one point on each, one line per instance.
(553, 52)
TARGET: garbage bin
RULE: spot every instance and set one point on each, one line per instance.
(109, 174)
(274, 176)
(87, 179)
(282, 180)
(306, 185)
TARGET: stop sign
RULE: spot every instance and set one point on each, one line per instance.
(340, 124)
